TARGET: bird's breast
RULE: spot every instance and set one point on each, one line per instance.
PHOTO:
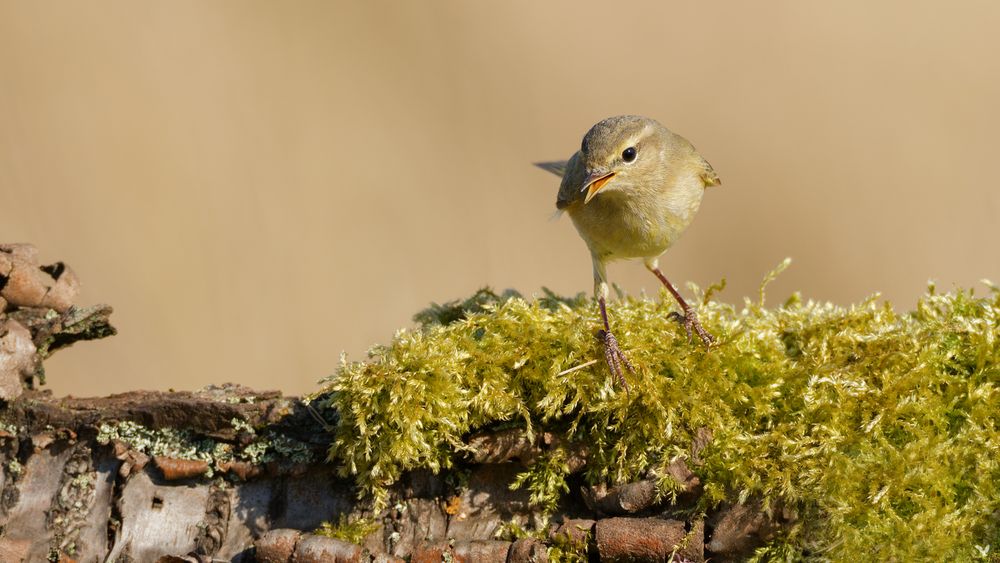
(623, 224)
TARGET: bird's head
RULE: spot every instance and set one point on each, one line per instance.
(619, 152)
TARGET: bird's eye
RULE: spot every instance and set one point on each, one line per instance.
(628, 155)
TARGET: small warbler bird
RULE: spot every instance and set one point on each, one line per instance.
(631, 190)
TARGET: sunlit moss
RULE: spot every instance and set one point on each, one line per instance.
(349, 529)
(545, 480)
(878, 428)
(569, 548)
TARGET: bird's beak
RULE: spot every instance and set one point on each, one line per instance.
(594, 182)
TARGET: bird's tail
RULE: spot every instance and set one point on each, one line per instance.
(557, 167)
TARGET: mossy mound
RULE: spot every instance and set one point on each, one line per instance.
(878, 429)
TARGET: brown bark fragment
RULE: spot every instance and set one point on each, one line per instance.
(17, 358)
(21, 251)
(42, 440)
(579, 531)
(430, 552)
(695, 545)
(242, 469)
(485, 551)
(151, 513)
(702, 438)
(420, 521)
(174, 469)
(739, 529)
(36, 487)
(26, 283)
(179, 559)
(5, 264)
(645, 539)
(25, 286)
(61, 295)
(321, 549)
(487, 502)
(634, 497)
(514, 445)
(528, 550)
(621, 499)
(576, 452)
(505, 445)
(132, 461)
(153, 409)
(277, 546)
(683, 476)
(92, 539)
(14, 550)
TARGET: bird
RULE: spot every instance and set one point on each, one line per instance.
(631, 191)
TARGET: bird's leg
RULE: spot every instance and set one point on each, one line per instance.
(689, 319)
(612, 352)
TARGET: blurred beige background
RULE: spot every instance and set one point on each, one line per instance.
(258, 186)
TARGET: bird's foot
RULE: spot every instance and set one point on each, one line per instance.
(615, 357)
(691, 324)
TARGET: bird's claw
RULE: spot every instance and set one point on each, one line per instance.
(692, 326)
(615, 357)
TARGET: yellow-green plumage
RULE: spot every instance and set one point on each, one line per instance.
(648, 204)
(631, 190)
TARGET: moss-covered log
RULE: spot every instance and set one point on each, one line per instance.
(142, 476)
(494, 432)
(851, 429)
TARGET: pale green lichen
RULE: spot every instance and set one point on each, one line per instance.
(879, 429)
(15, 467)
(285, 448)
(183, 444)
(72, 502)
(255, 452)
(168, 442)
(276, 447)
(249, 400)
(241, 425)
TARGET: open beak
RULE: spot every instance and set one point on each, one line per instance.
(594, 182)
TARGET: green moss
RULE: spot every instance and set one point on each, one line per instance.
(879, 429)
(545, 480)
(353, 530)
(513, 530)
(564, 548)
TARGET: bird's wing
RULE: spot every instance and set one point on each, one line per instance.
(557, 167)
(572, 181)
(708, 175)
